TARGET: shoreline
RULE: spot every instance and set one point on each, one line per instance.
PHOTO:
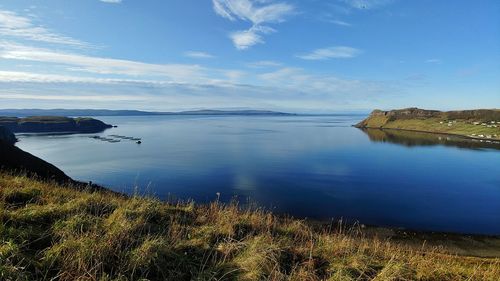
(98, 234)
(462, 244)
(455, 243)
(491, 140)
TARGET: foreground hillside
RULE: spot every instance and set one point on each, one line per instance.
(56, 232)
(7, 136)
(480, 124)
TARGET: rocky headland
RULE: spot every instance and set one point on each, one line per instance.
(483, 124)
(53, 124)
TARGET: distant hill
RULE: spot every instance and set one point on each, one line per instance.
(106, 112)
(43, 124)
(480, 123)
(229, 112)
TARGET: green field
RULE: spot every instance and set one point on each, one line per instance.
(51, 232)
(458, 127)
(438, 125)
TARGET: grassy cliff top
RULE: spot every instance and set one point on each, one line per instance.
(481, 123)
(44, 119)
(51, 232)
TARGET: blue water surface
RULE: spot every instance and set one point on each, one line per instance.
(306, 166)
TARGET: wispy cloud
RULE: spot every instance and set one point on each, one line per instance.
(258, 12)
(234, 75)
(435, 61)
(263, 63)
(330, 53)
(285, 88)
(51, 77)
(30, 77)
(327, 86)
(198, 55)
(367, 4)
(341, 23)
(16, 26)
(85, 98)
(244, 39)
(176, 86)
(111, 1)
(99, 65)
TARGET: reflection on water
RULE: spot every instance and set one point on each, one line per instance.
(307, 166)
(411, 138)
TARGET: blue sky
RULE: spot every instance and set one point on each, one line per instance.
(289, 55)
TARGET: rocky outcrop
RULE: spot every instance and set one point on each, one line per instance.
(46, 124)
(7, 136)
(476, 115)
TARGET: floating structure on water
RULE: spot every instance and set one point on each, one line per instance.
(116, 138)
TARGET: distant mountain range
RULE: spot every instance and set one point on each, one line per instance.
(107, 112)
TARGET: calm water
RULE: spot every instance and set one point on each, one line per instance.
(316, 167)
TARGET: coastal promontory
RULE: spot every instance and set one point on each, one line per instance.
(50, 124)
(479, 124)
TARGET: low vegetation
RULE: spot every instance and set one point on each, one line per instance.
(53, 232)
(481, 124)
(456, 127)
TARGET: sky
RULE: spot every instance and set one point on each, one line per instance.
(310, 56)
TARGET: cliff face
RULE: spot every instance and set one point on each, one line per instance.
(379, 118)
(16, 160)
(44, 124)
(7, 136)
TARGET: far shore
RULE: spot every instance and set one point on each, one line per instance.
(481, 124)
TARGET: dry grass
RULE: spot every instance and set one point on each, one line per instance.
(50, 232)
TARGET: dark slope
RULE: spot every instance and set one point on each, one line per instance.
(14, 159)
(7, 136)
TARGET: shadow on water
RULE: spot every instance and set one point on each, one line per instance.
(412, 139)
